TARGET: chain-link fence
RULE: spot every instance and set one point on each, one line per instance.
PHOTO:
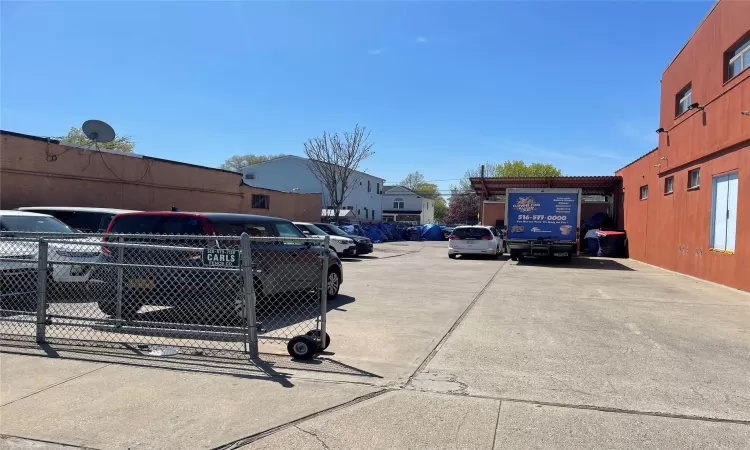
(167, 293)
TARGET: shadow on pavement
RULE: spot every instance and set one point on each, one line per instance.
(580, 262)
(268, 367)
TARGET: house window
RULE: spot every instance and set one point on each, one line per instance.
(377, 188)
(373, 214)
(684, 100)
(669, 185)
(249, 176)
(369, 188)
(738, 59)
(644, 192)
(724, 212)
(358, 212)
(261, 201)
(694, 178)
(398, 203)
(366, 213)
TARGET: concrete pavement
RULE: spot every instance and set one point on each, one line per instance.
(431, 353)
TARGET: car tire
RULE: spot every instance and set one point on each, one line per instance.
(452, 255)
(333, 283)
(302, 347)
(513, 256)
(315, 334)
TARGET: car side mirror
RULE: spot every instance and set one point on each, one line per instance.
(306, 233)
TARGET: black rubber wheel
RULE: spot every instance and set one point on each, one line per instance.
(128, 311)
(333, 284)
(315, 334)
(513, 256)
(452, 255)
(302, 347)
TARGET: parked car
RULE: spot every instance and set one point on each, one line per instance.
(364, 245)
(475, 240)
(87, 220)
(19, 276)
(279, 266)
(343, 246)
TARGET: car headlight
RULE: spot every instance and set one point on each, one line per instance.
(343, 241)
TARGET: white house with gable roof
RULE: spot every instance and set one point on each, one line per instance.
(293, 174)
(401, 204)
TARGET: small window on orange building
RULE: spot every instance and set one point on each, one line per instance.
(738, 58)
(669, 185)
(644, 192)
(694, 178)
(684, 100)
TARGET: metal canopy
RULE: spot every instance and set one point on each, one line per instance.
(591, 185)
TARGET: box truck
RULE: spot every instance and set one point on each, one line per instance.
(542, 222)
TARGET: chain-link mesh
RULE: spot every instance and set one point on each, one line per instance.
(165, 292)
(289, 276)
(19, 277)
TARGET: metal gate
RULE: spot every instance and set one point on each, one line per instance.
(167, 293)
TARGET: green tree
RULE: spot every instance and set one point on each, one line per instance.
(413, 180)
(120, 143)
(519, 168)
(237, 162)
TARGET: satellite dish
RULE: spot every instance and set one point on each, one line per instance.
(98, 131)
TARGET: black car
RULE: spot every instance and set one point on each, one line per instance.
(156, 276)
(364, 245)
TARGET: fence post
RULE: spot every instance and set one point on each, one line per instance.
(120, 262)
(324, 292)
(248, 292)
(41, 293)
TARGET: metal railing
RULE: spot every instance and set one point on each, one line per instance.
(167, 293)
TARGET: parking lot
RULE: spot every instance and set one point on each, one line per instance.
(427, 352)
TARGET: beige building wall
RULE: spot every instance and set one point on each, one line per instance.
(37, 172)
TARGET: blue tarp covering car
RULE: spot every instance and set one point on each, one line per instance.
(432, 232)
(394, 231)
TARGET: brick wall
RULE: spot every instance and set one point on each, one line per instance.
(102, 179)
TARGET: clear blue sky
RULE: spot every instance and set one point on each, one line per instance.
(442, 86)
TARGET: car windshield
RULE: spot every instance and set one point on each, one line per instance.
(315, 231)
(471, 233)
(333, 230)
(40, 224)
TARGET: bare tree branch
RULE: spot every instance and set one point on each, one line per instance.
(335, 161)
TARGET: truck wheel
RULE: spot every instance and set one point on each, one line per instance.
(302, 347)
(315, 334)
(452, 255)
(513, 256)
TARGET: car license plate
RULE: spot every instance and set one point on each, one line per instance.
(561, 254)
(142, 283)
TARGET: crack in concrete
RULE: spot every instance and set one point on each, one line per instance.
(322, 442)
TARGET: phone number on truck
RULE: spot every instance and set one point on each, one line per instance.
(540, 217)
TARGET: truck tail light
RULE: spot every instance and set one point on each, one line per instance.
(454, 238)
(486, 238)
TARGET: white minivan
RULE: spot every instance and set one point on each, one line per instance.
(80, 218)
(475, 240)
